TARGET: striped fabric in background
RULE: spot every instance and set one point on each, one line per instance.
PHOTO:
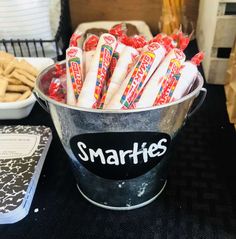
(28, 19)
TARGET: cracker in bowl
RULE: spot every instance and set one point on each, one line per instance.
(17, 78)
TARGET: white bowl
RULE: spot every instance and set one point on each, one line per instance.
(18, 109)
(21, 109)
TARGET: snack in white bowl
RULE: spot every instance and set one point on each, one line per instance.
(17, 79)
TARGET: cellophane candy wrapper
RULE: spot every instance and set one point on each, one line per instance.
(119, 30)
(137, 41)
(90, 43)
(176, 40)
(76, 39)
(57, 87)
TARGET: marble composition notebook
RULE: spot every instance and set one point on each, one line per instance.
(22, 153)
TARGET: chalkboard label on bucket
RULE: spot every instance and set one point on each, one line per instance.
(120, 155)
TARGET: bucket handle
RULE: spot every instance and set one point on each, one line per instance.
(202, 94)
(44, 104)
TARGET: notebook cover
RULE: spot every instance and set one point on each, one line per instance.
(22, 149)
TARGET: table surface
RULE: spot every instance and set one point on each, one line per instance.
(199, 200)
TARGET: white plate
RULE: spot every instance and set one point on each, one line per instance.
(142, 27)
(21, 109)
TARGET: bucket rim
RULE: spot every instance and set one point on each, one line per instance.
(46, 98)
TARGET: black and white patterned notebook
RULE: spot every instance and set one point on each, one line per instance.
(22, 153)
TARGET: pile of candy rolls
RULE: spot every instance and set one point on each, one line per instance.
(114, 71)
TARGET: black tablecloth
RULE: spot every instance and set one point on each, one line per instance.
(198, 202)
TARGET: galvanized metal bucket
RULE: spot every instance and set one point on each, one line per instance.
(119, 158)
